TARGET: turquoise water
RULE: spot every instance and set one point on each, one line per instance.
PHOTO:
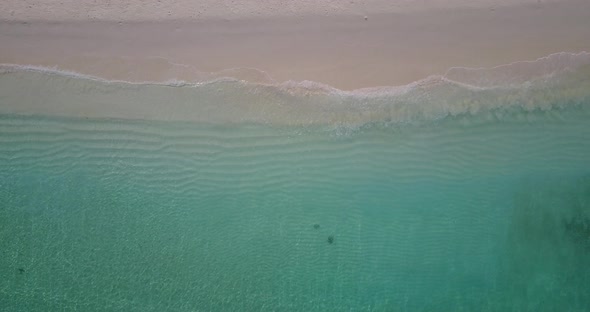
(460, 214)
(228, 196)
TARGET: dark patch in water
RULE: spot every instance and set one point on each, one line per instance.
(21, 270)
(331, 239)
(578, 230)
(316, 226)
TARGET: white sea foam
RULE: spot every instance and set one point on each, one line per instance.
(553, 81)
(518, 73)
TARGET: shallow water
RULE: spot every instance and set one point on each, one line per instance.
(486, 211)
(175, 216)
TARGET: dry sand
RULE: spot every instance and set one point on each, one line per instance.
(349, 46)
(150, 10)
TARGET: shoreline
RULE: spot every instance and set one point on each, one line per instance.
(345, 52)
(510, 75)
(548, 85)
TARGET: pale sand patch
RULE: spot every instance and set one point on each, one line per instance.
(345, 51)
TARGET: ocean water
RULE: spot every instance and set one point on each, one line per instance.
(468, 192)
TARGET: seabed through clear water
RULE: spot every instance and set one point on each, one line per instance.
(476, 211)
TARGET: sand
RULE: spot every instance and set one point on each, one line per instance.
(350, 46)
(150, 10)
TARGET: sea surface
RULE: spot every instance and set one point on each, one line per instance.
(463, 192)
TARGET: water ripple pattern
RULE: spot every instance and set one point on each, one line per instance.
(475, 212)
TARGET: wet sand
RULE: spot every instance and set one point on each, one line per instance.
(346, 51)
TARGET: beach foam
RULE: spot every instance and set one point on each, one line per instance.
(554, 81)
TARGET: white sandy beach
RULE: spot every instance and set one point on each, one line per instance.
(346, 45)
